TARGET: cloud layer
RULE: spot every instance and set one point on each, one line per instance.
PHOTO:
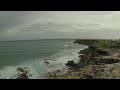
(19, 25)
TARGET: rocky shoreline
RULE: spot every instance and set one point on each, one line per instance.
(100, 61)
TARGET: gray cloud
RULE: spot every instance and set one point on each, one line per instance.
(59, 24)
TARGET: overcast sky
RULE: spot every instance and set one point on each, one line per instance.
(20, 25)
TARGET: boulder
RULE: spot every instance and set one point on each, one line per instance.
(20, 70)
(22, 73)
(22, 76)
(71, 64)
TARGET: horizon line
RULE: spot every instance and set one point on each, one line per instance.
(55, 39)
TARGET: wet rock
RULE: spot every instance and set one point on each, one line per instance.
(22, 76)
(47, 63)
(20, 70)
(87, 56)
(71, 64)
(22, 73)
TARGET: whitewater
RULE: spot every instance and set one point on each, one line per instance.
(56, 52)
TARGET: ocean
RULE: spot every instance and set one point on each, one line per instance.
(31, 54)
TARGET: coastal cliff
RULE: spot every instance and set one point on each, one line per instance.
(101, 60)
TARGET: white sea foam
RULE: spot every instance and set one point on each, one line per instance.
(38, 67)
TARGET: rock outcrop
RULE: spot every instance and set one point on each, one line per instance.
(89, 54)
(95, 62)
(93, 56)
(22, 74)
(71, 64)
(107, 71)
(106, 60)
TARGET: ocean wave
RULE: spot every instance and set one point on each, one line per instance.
(38, 67)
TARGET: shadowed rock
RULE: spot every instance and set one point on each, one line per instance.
(22, 76)
(21, 70)
(89, 54)
(71, 64)
(106, 60)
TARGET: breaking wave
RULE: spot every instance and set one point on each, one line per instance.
(38, 67)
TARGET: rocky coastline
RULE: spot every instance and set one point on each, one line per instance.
(101, 60)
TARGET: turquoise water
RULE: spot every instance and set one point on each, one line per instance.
(31, 54)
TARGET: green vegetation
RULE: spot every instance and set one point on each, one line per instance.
(100, 43)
